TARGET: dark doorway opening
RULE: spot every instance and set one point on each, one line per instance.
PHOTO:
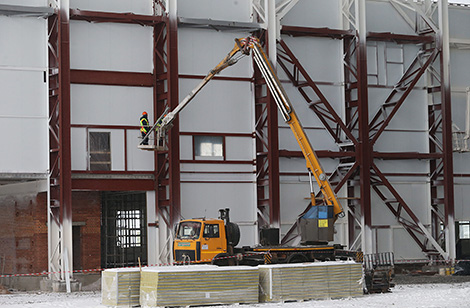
(123, 229)
(77, 247)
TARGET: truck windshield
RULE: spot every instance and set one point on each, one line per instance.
(189, 230)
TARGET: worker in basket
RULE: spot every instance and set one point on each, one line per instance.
(144, 128)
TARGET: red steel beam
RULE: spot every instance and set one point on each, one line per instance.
(319, 153)
(129, 18)
(316, 32)
(112, 78)
(399, 38)
(113, 184)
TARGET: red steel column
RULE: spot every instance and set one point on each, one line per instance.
(267, 152)
(364, 150)
(448, 168)
(174, 134)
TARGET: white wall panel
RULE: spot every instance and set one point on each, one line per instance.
(24, 145)
(319, 139)
(459, 23)
(460, 68)
(393, 22)
(186, 147)
(201, 50)
(459, 20)
(110, 105)
(383, 241)
(222, 177)
(297, 164)
(137, 159)
(111, 46)
(225, 167)
(23, 109)
(462, 201)
(239, 148)
(295, 196)
(403, 166)
(459, 108)
(117, 6)
(232, 10)
(460, 80)
(461, 162)
(26, 2)
(306, 115)
(205, 200)
(404, 247)
(220, 107)
(412, 114)
(23, 94)
(79, 148)
(319, 13)
(404, 141)
(321, 57)
(417, 197)
(117, 150)
(23, 42)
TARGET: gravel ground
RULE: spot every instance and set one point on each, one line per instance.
(401, 279)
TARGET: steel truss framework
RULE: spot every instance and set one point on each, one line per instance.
(353, 133)
(356, 136)
(165, 84)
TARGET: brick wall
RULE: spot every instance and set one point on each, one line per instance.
(23, 234)
(86, 208)
(23, 231)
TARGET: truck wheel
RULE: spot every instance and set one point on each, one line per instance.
(233, 234)
(222, 259)
(297, 258)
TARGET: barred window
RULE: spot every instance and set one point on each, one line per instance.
(128, 228)
(99, 151)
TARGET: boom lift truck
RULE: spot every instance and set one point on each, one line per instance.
(214, 241)
(201, 240)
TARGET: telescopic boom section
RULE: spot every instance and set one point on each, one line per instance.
(167, 119)
(289, 115)
(242, 48)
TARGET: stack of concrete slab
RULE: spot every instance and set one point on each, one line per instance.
(120, 287)
(198, 285)
(305, 281)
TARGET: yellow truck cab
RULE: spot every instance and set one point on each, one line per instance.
(199, 240)
(202, 240)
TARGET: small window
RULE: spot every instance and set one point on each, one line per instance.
(464, 230)
(128, 228)
(99, 151)
(209, 147)
(211, 231)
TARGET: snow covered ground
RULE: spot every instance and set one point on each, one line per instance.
(414, 295)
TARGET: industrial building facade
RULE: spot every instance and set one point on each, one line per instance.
(381, 87)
